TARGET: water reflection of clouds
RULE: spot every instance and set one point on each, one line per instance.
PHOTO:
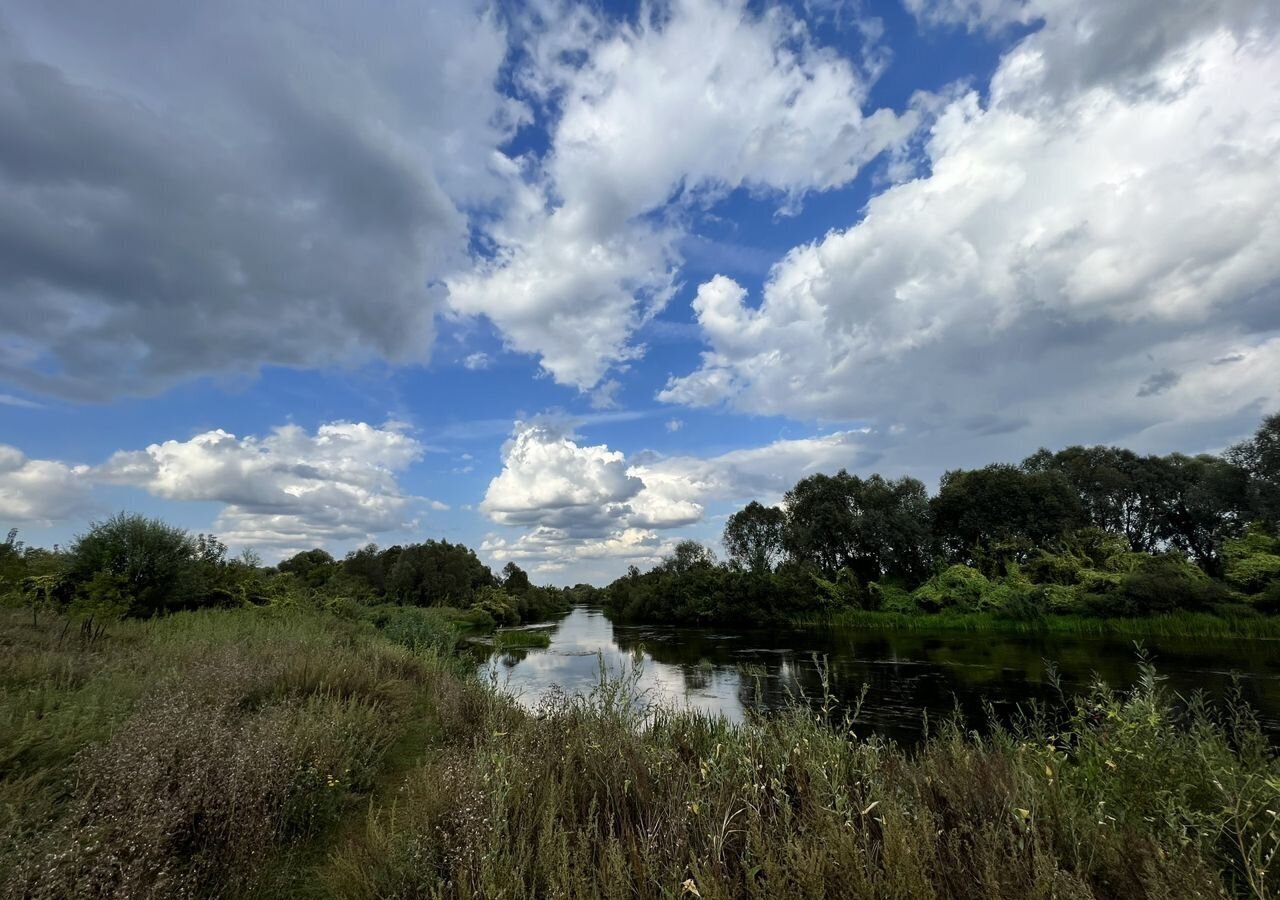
(583, 648)
(909, 675)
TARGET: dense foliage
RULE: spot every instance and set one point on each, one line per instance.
(1085, 531)
(134, 566)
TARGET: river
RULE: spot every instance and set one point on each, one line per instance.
(910, 677)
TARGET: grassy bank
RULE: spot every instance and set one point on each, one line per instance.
(1183, 624)
(252, 753)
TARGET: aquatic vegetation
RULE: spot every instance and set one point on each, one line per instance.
(526, 639)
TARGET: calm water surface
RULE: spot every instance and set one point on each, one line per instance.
(909, 675)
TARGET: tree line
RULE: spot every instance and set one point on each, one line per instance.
(135, 566)
(1085, 530)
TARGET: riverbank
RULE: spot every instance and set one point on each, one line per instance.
(1183, 624)
(260, 753)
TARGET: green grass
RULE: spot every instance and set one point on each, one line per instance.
(524, 639)
(259, 753)
(1185, 624)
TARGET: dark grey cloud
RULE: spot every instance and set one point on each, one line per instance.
(188, 192)
(1159, 383)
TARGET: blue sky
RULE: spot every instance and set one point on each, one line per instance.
(570, 282)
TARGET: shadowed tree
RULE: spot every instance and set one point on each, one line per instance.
(437, 573)
(874, 527)
(1207, 504)
(515, 581)
(687, 556)
(1119, 491)
(753, 537)
(984, 515)
(1259, 456)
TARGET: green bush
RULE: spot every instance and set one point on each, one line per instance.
(1252, 560)
(145, 560)
(1269, 600)
(890, 596)
(498, 604)
(1011, 595)
(1159, 584)
(1058, 599)
(958, 587)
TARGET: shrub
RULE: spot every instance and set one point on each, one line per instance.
(890, 596)
(1010, 597)
(495, 602)
(1252, 560)
(1159, 584)
(145, 559)
(958, 587)
(1269, 600)
(1058, 599)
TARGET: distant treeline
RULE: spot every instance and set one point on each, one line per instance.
(1095, 531)
(135, 566)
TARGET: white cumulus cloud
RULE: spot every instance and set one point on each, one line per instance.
(291, 488)
(39, 491)
(1073, 236)
(655, 119)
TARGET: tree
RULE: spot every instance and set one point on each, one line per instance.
(313, 567)
(437, 573)
(820, 526)
(874, 527)
(893, 529)
(1207, 503)
(1259, 456)
(515, 581)
(687, 556)
(370, 565)
(1119, 491)
(986, 516)
(12, 565)
(145, 557)
(753, 537)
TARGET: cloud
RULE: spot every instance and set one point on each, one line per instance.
(22, 403)
(587, 248)
(588, 503)
(477, 361)
(291, 489)
(548, 479)
(188, 191)
(1080, 44)
(1160, 382)
(548, 550)
(1063, 233)
(40, 491)
(674, 425)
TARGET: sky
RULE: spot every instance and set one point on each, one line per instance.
(570, 282)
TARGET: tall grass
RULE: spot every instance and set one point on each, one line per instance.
(1117, 795)
(194, 755)
(1182, 624)
(254, 754)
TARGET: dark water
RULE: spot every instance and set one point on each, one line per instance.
(908, 674)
